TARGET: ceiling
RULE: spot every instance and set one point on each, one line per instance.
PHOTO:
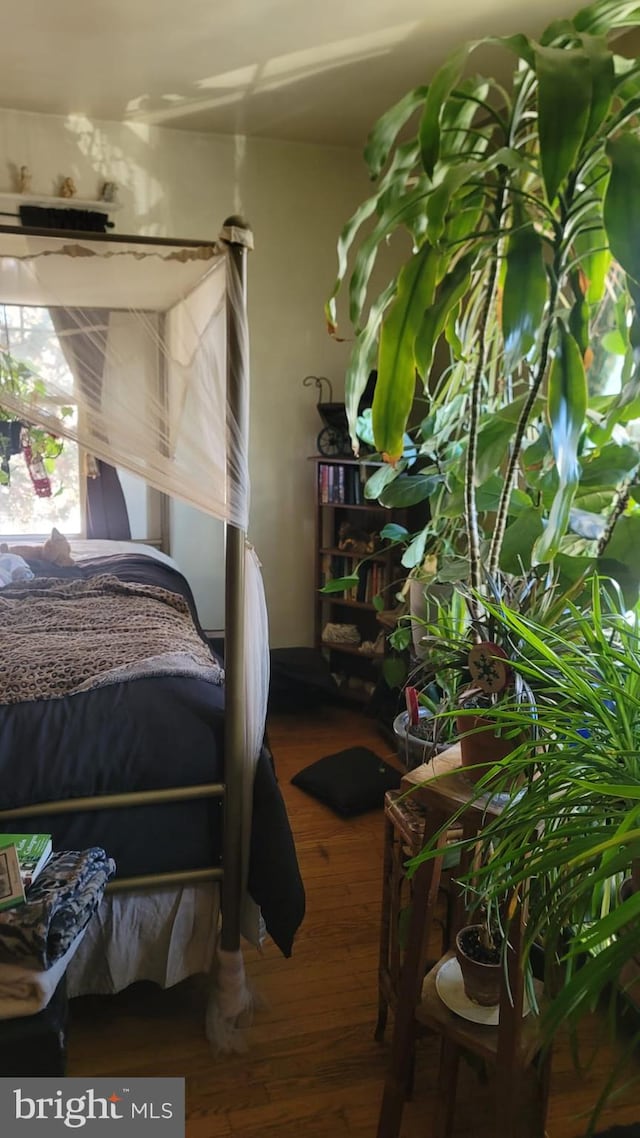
(289, 69)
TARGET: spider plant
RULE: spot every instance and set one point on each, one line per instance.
(565, 842)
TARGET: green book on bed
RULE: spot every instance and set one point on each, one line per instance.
(33, 850)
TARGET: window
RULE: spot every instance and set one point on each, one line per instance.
(27, 333)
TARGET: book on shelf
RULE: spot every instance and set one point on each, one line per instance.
(33, 851)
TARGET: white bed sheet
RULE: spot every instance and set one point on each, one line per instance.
(162, 936)
(82, 549)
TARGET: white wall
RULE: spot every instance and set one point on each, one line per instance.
(296, 197)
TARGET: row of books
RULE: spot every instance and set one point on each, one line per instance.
(22, 858)
(372, 577)
(340, 485)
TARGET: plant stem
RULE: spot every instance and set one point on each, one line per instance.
(620, 504)
(523, 422)
(471, 508)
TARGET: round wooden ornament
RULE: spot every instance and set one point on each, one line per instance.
(489, 667)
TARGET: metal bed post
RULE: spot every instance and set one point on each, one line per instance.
(237, 237)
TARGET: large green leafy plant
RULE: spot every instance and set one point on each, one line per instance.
(520, 211)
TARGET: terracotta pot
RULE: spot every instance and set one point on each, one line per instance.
(481, 981)
(479, 751)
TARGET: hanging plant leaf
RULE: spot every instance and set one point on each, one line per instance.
(361, 361)
(414, 553)
(458, 116)
(464, 220)
(567, 406)
(440, 88)
(345, 242)
(396, 381)
(341, 584)
(399, 213)
(524, 294)
(387, 128)
(579, 324)
(519, 539)
(518, 43)
(376, 483)
(487, 498)
(603, 81)
(609, 467)
(409, 489)
(450, 291)
(495, 435)
(599, 18)
(620, 558)
(451, 333)
(394, 671)
(393, 532)
(564, 105)
(622, 202)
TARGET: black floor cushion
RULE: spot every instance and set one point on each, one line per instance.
(350, 782)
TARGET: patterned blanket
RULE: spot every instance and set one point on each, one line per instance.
(58, 906)
(58, 638)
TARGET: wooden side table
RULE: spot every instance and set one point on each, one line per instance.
(404, 822)
(513, 1047)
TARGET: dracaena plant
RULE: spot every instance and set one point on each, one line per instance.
(520, 211)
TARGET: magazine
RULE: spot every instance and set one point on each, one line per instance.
(34, 851)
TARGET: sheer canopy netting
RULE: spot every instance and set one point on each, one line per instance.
(143, 331)
(122, 346)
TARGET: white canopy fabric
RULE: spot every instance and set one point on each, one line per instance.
(143, 328)
(146, 326)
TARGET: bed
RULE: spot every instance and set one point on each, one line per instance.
(163, 766)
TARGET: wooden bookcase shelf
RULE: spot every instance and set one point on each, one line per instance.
(342, 514)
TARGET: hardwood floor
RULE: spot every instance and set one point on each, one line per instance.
(312, 1068)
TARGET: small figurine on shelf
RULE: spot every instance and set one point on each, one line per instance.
(108, 192)
(68, 188)
(24, 181)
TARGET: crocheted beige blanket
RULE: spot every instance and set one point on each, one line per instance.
(58, 638)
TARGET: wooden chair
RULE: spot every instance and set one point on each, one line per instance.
(513, 1048)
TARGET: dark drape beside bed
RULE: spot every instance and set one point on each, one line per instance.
(106, 508)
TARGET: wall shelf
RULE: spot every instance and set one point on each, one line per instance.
(51, 201)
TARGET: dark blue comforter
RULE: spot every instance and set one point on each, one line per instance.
(144, 734)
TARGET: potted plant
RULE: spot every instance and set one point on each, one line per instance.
(509, 207)
(464, 666)
(478, 952)
(571, 836)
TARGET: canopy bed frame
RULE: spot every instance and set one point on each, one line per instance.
(27, 265)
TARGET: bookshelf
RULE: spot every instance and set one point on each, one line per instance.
(347, 628)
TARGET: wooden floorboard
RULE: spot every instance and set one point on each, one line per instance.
(312, 1069)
